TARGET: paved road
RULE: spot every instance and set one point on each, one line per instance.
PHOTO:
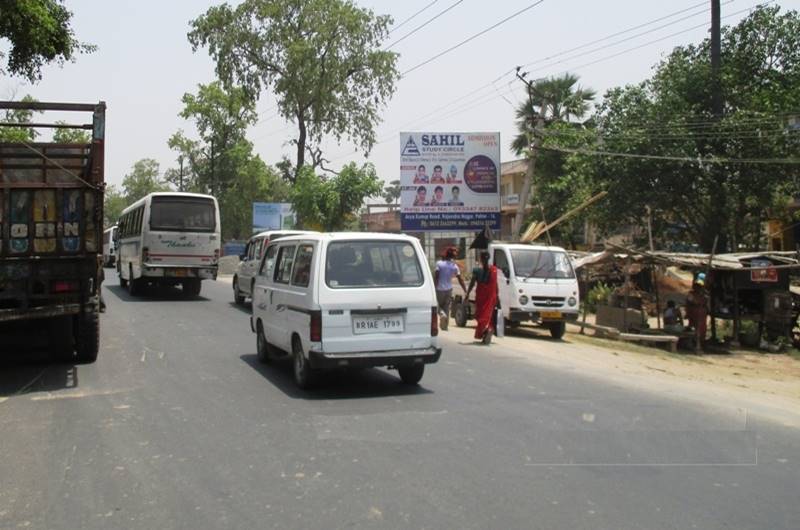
(178, 426)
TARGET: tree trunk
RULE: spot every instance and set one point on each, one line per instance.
(301, 145)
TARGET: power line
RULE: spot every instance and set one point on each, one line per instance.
(400, 25)
(471, 38)
(404, 37)
(491, 84)
(695, 160)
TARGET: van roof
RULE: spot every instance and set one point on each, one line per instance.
(525, 246)
(289, 232)
(349, 236)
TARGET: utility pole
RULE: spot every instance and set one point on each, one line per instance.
(534, 146)
(716, 50)
(180, 162)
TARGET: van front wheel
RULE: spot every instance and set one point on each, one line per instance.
(411, 375)
(557, 329)
(304, 375)
(460, 314)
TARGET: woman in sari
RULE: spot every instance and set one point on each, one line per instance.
(485, 277)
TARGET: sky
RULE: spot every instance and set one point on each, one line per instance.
(144, 64)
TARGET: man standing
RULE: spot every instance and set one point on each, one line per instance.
(697, 310)
(446, 268)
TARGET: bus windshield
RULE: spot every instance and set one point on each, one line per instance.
(183, 214)
(541, 264)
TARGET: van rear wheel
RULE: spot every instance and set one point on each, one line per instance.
(412, 374)
(238, 297)
(134, 285)
(263, 348)
(304, 376)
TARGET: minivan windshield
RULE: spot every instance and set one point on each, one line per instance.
(541, 264)
(372, 264)
(183, 214)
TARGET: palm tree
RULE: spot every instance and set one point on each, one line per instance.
(555, 99)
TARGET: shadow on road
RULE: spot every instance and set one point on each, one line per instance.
(26, 362)
(245, 308)
(151, 293)
(340, 384)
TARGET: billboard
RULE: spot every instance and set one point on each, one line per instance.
(449, 181)
(272, 216)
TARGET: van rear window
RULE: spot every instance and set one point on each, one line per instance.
(372, 264)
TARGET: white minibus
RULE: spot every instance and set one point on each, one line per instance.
(169, 239)
(109, 246)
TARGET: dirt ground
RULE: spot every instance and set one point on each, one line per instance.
(763, 384)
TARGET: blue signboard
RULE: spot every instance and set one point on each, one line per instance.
(272, 216)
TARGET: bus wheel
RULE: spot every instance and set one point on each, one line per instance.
(87, 338)
(122, 281)
(191, 287)
(134, 285)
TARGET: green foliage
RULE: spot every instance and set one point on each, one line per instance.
(392, 192)
(332, 204)
(321, 59)
(559, 101)
(670, 115)
(600, 294)
(71, 136)
(18, 134)
(113, 203)
(143, 179)
(39, 32)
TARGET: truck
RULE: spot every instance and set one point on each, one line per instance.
(51, 225)
(536, 284)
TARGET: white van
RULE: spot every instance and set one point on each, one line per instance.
(169, 238)
(346, 300)
(110, 246)
(245, 276)
(536, 283)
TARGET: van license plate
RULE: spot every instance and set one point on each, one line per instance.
(377, 324)
(180, 272)
(551, 314)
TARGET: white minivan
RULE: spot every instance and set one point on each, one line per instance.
(346, 300)
(536, 284)
(245, 276)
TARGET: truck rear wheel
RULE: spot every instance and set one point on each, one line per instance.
(87, 337)
(460, 314)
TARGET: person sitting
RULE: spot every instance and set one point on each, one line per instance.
(673, 321)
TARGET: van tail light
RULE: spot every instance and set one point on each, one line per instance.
(316, 326)
(61, 286)
(434, 321)
(216, 255)
(145, 254)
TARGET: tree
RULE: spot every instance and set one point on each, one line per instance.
(113, 204)
(321, 59)
(39, 32)
(670, 115)
(18, 134)
(143, 179)
(550, 102)
(392, 192)
(71, 136)
(331, 204)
